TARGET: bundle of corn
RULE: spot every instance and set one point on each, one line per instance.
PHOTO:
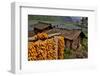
(37, 50)
(52, 49)
(61, 45)
(39, 36)
(41, 49)
(32, 53)
(42, 36)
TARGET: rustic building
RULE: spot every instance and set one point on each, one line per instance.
(41, 26)
(72, 37)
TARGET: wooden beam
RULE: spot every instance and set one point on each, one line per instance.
(35, 37)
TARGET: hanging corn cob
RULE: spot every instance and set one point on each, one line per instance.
(61, 46)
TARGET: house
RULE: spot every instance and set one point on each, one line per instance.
(41, 26)
(72, 38)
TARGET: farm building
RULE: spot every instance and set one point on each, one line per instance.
(72, 37)
(41, 26)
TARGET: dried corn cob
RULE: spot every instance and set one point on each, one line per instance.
(61, 46)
